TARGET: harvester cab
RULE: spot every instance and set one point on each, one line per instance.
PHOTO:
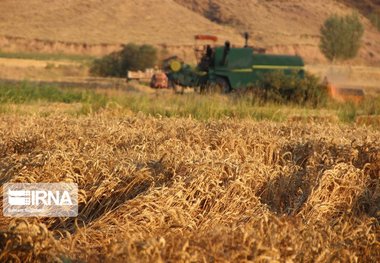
(203, 46)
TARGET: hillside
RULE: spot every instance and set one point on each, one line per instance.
(111, 21)
(364, 6)
(280, 26)
(287, 26)
(270, 22)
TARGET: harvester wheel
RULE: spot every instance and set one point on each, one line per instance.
(219, 86)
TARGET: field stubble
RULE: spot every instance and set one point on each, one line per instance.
(178, 189)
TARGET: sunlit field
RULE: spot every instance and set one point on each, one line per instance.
(191, 178)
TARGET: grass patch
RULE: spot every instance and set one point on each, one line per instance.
(205, 107)
(85, 59)
(25, 92)
(349, 112)
(197, 106)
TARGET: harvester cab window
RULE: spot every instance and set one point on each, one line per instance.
(207, 59)
(210, 55)
(205, 55)
(208, 51)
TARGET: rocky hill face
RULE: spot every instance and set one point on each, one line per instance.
(281, 26)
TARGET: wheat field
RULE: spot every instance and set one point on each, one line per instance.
(155, 189)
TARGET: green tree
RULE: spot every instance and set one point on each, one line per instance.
(136, 57)
(108, 65)
(341, 37)
(131, 57)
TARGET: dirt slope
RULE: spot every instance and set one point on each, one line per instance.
(100, 21)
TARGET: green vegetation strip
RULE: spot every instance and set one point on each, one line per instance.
(47, 56)
(27, 93)
(193, 105)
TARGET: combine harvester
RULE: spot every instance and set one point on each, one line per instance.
(226, 68)
(222, 69)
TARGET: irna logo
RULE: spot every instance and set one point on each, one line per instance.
(38, 197)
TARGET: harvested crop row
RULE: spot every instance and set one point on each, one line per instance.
(156, 190)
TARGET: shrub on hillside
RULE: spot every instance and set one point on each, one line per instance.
(131, 57)
(108, 65)
(341, 37)
(283, 88)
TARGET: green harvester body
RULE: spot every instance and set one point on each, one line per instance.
(235, 67)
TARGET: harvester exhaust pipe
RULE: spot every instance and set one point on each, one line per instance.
(246, 37)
